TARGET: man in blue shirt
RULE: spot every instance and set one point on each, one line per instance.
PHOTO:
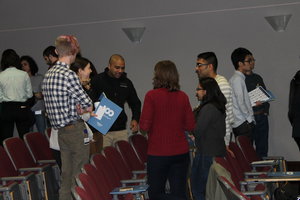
(242, 110)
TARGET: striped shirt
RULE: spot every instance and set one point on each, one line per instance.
(62, 94)
(227, 91)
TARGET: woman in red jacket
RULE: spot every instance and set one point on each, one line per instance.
(166, 115)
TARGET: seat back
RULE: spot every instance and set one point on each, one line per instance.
(247, 148)
(236, 171)
(224, 163)
(245, 165)
(80, 194)
(38, 146)
(102, 183)
(115, 159)
(18, 153)
(6, 167)
(230, 190)
(87, 183)
(105, 168)
(129, 155)
(140, 145)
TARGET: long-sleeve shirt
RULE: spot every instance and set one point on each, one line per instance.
(15, 85)
(242, 109)
(119, 90)
(166, 116)
(62, 94)
(227, 92)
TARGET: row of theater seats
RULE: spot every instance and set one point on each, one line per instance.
(29, 165)
(117, 173)
(249, 177)
(28, 170)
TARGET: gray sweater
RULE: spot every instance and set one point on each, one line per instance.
(210, 131)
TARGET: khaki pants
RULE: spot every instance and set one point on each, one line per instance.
(74, 154)
(111, 137)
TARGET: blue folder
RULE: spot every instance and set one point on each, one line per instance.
(107, 112)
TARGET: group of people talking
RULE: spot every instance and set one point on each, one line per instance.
(72, 85)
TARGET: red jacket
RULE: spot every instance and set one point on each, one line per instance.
(166, 116)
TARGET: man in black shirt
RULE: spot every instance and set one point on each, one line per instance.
(119, 89)
(260, 111)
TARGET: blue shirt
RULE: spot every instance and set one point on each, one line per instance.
(62, 93)
(242, 109)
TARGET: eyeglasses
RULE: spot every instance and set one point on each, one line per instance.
(198, 89)
(250, 61)
(200, 64)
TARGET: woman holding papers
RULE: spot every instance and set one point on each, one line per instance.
(84, 69)
(166, 115)
(209, 133)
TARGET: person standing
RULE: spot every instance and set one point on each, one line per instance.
(209, 133)
(15, 90)
(166, 115)
(206, 66)
(30, 66)
(65, 100)
(84, 70)
(50, 56)
(294, 107)
(260, 111)
(119, 89)
(242, 110)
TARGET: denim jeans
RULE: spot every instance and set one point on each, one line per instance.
(200, 170)
(261, 135)
(171, 168)
(40, 123)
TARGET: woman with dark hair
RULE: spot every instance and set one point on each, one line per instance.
(85, 70)
(166, 115)
(37, 103)
(15, 90)
(209, 133)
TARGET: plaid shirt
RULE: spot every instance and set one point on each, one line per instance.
(62, 93)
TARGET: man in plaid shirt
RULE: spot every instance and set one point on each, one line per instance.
(65, 100)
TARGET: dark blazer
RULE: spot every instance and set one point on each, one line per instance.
(210, 131)
(294, 105)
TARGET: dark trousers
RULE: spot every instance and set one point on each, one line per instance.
(261, 135)
(245, 128)
(297, 140)
(199, 176)
(15, 113)
(171, 168)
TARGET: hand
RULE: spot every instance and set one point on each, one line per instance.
(258, 103)
(229, 151)
(192, 137)
(134, 126)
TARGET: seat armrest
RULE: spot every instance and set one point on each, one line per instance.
(46, 162)
(131, 181)
(252, 193)
(273, 158)
(17, 178)
(7, 187)
(35, 169)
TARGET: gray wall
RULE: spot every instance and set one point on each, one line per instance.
(180, 37)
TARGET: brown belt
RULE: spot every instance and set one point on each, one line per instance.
(259, 112)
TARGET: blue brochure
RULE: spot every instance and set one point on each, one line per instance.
(107, 112)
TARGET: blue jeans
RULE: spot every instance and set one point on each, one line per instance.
(40, 122)
(261, 135)
(200, 170)
(163, 168)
